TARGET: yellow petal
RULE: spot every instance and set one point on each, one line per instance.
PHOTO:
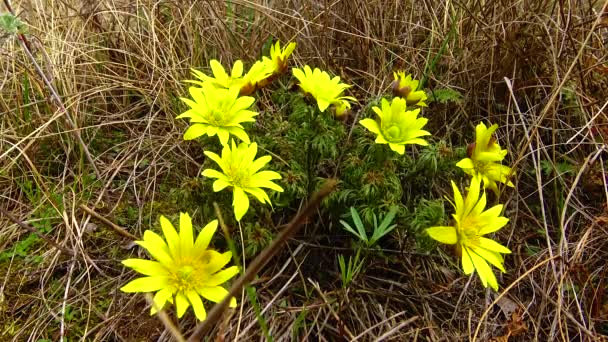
(371, 125)
(220, 185)
(218, 72)
(493, 245)
(239, 133)
(195, 131)
(146, 267)
(160, 298)
(458, 201)
(146, 284)
(181, 304)
(443, 234)
(491, 257)
(217, 260)
(211, 173)
(197, 305)
(240, 203)
(466, 163)
(170, 235)
(222, 276)
(467, 263)
(484, 271)
(237, 69)
(397, 148)
(156, 246)
(186, 235)
(205, 236)
(213, 293)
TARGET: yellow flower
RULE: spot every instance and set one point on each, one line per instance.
(471, 222)
(341, 107)
(241, 172)
(397, 127)
(220, 78)
(246, 84)
(278, 58)
(217, 111)
(184, 270)
(321, 86)
(405, 87)
(256, 77)
(484, 159)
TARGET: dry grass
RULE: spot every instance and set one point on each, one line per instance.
(538, 68)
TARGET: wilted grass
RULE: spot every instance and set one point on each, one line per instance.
(537, 68)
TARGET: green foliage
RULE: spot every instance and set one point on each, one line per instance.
(43, 219)
(348, 271)
(11, 24)
(559, 168)
(379, 231)
(445, 95)
(428, 213)
(256, 238)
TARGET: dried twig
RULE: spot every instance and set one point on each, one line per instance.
(261, 260)
(109, 223)
(35, 231)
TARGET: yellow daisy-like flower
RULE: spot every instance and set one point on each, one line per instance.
(185, 270)
(240, 171)
(247, 83)
(220, 78)
(217, 111)
(321, 86)
(405, 87)
(397, 127)
(484, 159)
(471, 222)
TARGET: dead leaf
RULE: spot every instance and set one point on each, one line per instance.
(517, 326)
(507, 306)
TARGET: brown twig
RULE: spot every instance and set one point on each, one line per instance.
(261, 260)
(35, 231)
(109, 223)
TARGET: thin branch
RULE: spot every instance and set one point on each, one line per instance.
(109, 223)
(36, 232)
(256, 265)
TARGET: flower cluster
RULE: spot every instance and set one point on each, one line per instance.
(185, 270)
(220, 105)
(397, 126)
(471, 222)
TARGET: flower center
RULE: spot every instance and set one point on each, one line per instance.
(393, 133)
(185, 277)
(468, 232)
(238, 176)
(481, 166)
(190, 272)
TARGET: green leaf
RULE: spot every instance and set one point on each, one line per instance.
(358, 224)
(11, 24)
